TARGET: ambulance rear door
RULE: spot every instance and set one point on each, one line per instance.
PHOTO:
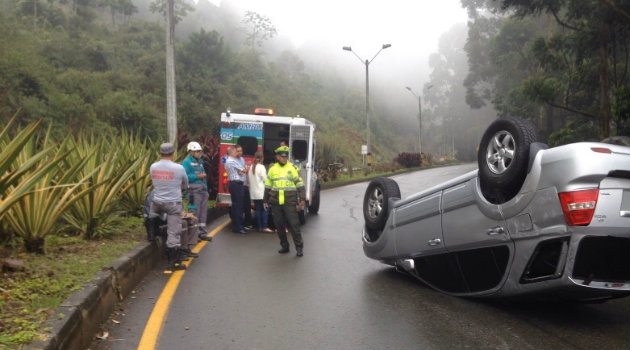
(247, 134)
(301, 145)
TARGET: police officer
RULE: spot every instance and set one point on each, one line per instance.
(169, 178)
(197, 188)
(284, 190)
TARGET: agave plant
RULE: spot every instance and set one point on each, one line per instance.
(17, 179)
(110, 174)
(36, 213)
(135, 190)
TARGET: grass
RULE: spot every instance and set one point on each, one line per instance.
(29, 297)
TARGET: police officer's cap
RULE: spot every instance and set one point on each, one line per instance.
(167, 148)
(283, 151)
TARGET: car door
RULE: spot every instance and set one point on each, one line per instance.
(476, 236)
(418, 227)
(464, 224)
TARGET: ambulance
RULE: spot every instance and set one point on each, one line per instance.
(264, 131)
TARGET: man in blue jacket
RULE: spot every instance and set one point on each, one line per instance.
(197, 187)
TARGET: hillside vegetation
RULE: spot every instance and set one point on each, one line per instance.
(80, 65)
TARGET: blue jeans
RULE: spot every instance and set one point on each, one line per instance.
(237, 195)
(247, 207)
(262, 214)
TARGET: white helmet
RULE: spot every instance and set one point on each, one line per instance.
(194, 146)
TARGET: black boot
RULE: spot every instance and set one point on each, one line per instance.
(299, 251)
(190, 253)
(182, 255)
(205, 237)
(173, 263)
(152, 226)
(283, 250)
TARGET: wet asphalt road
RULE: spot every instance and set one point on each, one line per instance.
(241, 294)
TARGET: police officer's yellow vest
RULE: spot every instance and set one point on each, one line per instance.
(283, 178)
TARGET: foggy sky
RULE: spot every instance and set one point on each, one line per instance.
(412, 27)
(317, 31)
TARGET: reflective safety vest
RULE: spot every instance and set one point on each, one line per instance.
(284, 184)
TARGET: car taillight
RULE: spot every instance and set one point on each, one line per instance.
(579, 206)
(601, 150)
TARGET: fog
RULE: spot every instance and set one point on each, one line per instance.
(319, 29)
(419, 32)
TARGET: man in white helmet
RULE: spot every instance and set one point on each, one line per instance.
(197, 187)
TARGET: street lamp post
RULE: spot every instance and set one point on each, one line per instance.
(419, 97)
(419, 119)
(367, 88)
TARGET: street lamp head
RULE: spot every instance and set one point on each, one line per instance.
(347, 48)
(386, 46)
(412, 92)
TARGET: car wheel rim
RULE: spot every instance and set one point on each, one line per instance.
(375, 203)
(500, 152)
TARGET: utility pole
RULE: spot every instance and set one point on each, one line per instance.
(367, 108)
(419, 124)
(171, 101)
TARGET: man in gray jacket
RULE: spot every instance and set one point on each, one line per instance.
(169, 178)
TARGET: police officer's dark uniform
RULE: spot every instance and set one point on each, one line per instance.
(284, 190)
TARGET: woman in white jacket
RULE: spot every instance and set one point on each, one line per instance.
(256, 178)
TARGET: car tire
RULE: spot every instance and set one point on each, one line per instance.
(503, 157)
(314, 205)
(376, 204)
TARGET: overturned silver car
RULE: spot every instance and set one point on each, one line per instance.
(531, 221)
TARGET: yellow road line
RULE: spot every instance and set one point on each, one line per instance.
(156, 320)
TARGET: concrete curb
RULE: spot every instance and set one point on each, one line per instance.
(74, 324)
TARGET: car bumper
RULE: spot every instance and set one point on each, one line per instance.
(586, 263)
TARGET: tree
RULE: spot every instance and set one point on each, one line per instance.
(126, 8)
(260, 28)
(577, 54)
(205, 66)
(181, 8)
(174, 11)
(450, 126)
